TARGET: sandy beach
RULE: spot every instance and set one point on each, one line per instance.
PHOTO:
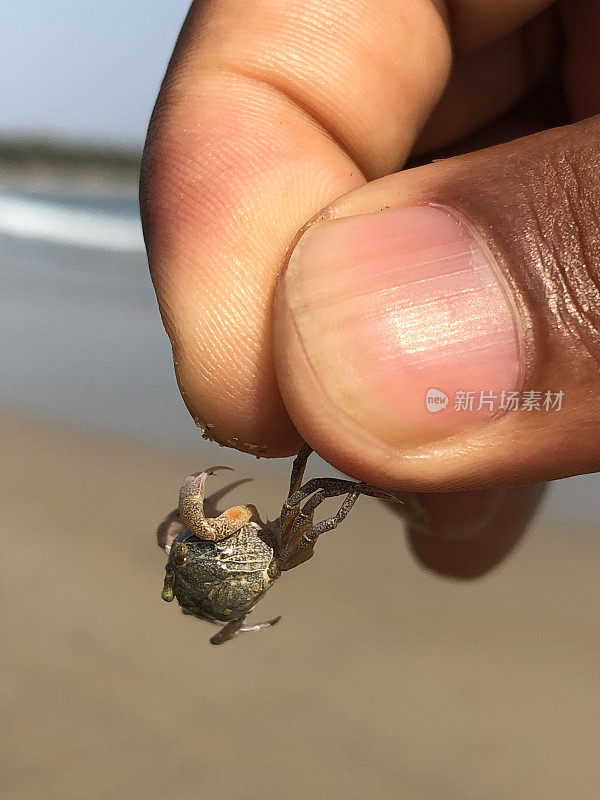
(381, 681)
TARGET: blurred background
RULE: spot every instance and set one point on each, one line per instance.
(381, 681)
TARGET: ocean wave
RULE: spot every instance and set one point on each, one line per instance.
(53, 222)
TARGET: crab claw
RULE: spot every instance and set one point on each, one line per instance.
(175, 522)
(194, 484)
(210, 470)
(191, 509)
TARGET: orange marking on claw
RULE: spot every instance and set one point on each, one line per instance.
(238, 513)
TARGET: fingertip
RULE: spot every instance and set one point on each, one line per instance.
(234, 411)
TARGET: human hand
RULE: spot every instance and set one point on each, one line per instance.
(476, 273)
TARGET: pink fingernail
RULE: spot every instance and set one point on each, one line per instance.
(399, 309)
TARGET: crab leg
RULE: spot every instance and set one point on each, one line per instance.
(236, 626)
(168, 530)
(227, 632)
(298, 468)
(337, 486)
(303, 536)
(258, 626)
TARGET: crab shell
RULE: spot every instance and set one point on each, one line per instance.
(221, 581)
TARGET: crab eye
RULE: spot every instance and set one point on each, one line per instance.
(180, 553)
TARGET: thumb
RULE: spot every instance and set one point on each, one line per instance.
(440, 327)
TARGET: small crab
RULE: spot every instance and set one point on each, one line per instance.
(220, 567)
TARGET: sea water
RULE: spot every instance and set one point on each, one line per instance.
(81, 341)
(80, 336)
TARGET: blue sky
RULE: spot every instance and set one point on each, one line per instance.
(84, 69)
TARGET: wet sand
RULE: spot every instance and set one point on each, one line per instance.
(381, 681)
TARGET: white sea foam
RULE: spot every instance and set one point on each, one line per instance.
(53, 222)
